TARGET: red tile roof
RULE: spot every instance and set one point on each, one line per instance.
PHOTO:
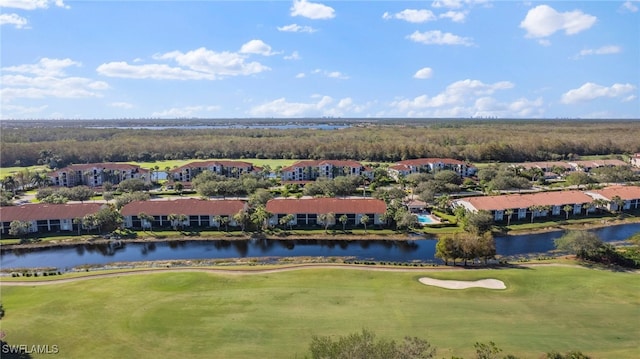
(326, 205)
(42, 211)
(544, 164)
(600, 163)
(189, 207)
(624, 192)
(559, 198)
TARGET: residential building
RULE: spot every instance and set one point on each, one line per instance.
(95, 174)
(198, 212)
(588, 165)
(539, 204)
(627, 196)
(635, 160)
(431, 165)
(550, 169)
(306, 211)
(44, 217)
(232, 169)
(313, 169)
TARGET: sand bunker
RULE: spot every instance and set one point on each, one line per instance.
(459, 284)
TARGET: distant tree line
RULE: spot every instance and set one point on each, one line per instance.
(476, 141)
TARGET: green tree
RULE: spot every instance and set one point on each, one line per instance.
(364, 345)
(479, 222)
(286, 220)
(509, 213)
(260, 217)
(618, 203)
(19, 228)
(327, 219)
(241, 218)
(364, 220)
(146, 219)
(343, 219)
(580, 243)
(567, 209)
(218, 220)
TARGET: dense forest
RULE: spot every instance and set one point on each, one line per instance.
(58, 143)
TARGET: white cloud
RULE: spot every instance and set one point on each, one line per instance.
(32, 4)
(199, 64)
(315, 11)
(630, 6)
(124, 105)
(411, 15)
(330, 74)
(15, 111)
(604, 50)
(449, 4)
(455, 16)
(542, 21)
(437, 37)
(301, 75)
(456, 4)
(319, 105)
(257, 47)
(294, 56)
(188, 111)
(45, 79)
(296, 28)
(281, 107)
(44, 67)
(452, 100)
(590, 91)
(13, 19)
(423, 73)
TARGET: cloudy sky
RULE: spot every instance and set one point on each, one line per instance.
(302, 58)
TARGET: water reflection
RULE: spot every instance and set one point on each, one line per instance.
(383, 250)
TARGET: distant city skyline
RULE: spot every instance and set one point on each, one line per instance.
(304, 59)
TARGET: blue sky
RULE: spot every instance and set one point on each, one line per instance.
(300, 58)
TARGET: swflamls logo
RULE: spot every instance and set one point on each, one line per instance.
(29, 349)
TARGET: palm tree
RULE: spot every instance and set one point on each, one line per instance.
(143, 217)
(78, 221)
(618, 202)
(587, 207)
(225, 220)
(287, 220)
(181, 219)
(260, 217)
(241, 218)
(600, 203)
(509, 213)
(567, 209)
(364, 220)
(534, 209)
(327, 219)
(173, 218)
(218, 220)
(343, 219)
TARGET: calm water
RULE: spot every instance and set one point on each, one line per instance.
(394, 251)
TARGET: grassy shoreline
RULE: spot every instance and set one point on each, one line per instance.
(372, 234)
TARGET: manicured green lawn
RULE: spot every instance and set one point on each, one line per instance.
(200, 315)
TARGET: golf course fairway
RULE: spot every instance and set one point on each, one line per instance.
(275, 314)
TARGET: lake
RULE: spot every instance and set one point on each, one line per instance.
(422, 250)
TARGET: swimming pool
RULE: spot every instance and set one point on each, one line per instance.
(425, 219)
